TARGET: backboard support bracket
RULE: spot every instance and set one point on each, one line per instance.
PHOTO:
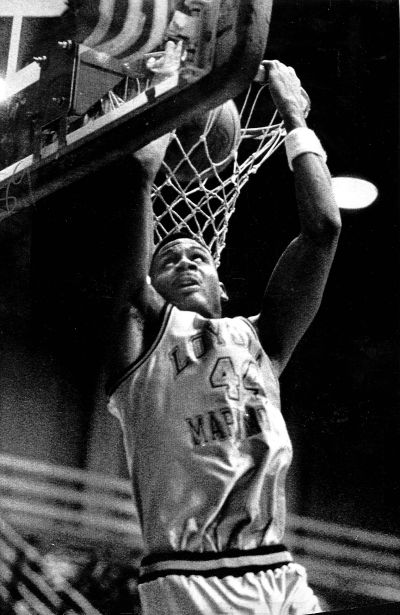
(220, 60)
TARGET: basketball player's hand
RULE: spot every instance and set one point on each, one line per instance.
(287, 93)
(150, 157)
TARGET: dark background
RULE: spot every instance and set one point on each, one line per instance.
(341, 389)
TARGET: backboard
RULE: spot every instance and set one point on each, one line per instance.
(84, 84)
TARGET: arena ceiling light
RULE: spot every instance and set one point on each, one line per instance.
(353, 193)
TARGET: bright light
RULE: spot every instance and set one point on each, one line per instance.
(353, 192)
(3, 90)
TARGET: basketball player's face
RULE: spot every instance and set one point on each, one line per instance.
(183, 272)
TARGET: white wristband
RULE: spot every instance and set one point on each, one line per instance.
(301, 141)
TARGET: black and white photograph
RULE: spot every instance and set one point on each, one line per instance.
(199, 307)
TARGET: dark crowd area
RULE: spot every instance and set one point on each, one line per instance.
(109, 587)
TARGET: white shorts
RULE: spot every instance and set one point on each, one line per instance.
(256, 582)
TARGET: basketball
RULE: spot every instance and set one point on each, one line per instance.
(207, 139)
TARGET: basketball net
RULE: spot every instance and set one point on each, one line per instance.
(204, 205)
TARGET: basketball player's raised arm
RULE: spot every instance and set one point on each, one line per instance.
(137, 306)
(135, 215)
(296, 286)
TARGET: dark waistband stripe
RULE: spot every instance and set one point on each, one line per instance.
(216, 564)
(210, 555)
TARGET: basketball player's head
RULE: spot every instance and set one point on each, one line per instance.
(184, 273)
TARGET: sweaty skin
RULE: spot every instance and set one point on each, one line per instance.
(184, 273)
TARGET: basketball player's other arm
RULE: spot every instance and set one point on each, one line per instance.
(137, 306)
(296, 286)
(295, 289)
(135, 230)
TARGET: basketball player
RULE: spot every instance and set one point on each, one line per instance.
(197, 395)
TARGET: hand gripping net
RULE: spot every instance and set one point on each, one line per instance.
(204, 205)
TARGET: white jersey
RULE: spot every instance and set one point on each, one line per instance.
(206, 444)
